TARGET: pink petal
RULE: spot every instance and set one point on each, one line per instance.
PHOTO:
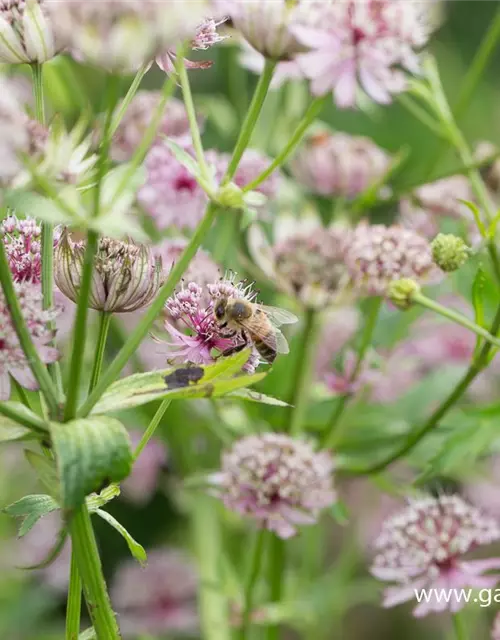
(397, 595)
(315, 38)
(373, 87)
(25, 378)
(345, 89)
(4, 386)
(475, 567)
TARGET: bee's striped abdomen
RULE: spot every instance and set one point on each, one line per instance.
(269, 349)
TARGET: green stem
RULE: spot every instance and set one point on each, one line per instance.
(426, 302)
(303, 375)
(192, 119)
(74, 605)
(29, 420)
(153, 425)
(141, 330)
(477, 365)
(255, 566)
(129, 96)
(251, 119)
(89, 566)
(310, 115)
(38, 368)
(459, 627)
(37, 74)
(332, 435)
(80, 327)
(208, 548)
(420, 114)
(104, 322)
(276, 561)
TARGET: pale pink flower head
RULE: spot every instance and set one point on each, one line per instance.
(339, 165)
(26, 32)
(140, 486)
(171, 195)
(123, 35)
(13, 362)
(422, 547)
(377, 255)
(340, 325)
(159, 598)
(193, 332)
(362, 45)
(126, 276)
(22, 241)
(279, 481)
(137, 118)
(434, 203)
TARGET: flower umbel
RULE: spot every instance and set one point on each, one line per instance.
(126, 276)
(422, 548)
(279, 481)
(22, 240)
(12, 359)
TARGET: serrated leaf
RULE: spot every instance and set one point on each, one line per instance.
(192, 381)
(31, 509)
(46, 472)
(255, 396)
(136, 549)
(89, 452)
(97, 500)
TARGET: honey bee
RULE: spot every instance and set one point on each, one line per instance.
(256, 324)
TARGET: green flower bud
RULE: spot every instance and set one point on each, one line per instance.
(231, 196)
(401, 292)
(449, 252)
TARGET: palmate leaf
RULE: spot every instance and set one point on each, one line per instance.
(190, 381)
(31, 509)
(89, 453)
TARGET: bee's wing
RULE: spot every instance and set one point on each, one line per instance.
(274, 340)
(278, 316)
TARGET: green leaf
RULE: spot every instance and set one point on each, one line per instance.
(36, 206)
(10, 431)
(136, 549)
(182, 157)
(255, 396)
(191, 381)
(89, 452)
(97, 500)
(46, 472)
(31, 509)
(477, 216)
(340, 513)
(17, 413)
(88, 634)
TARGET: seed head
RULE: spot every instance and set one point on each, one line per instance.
(449, 252)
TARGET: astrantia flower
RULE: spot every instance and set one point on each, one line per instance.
(159, 598)
(422, 547)
(434, 203)
(377, 255)
(206, 36)
(126, 276)
(362, 44)
(339, 165)
(140, 486)
(12, 359)
(189, 311)
(340, 325)
(26, 32)
(137, 118)
(278, 481)
(306, 261)
(122, 35)
(22, 241)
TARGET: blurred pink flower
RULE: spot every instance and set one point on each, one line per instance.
(338, 164)
(277, 480)
(377, 255)
(131, 129)
(422, 547)
(13, 362)
(340, 325)
(362, 44)
(159, 598)
(140, 486)
(483, 490)
(285, 69)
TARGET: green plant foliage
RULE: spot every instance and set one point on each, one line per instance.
(31, 509)
(136, 549)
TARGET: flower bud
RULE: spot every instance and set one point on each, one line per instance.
(231, 196)
(401, 292)
(126, 276)
(449, 252)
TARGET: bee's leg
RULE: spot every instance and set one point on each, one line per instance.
(239, 347)
(230, 334)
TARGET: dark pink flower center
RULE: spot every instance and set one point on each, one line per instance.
(186, 183)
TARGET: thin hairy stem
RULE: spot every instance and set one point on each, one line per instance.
(152, 426)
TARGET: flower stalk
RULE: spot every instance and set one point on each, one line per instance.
(153, 425)
(104, 322)
(74, 603)
(255, 567)
(459, 627)
(277, 562)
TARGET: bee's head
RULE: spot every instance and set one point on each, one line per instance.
(220, 309)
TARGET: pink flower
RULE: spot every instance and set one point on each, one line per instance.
(131, 129)
(278, 481)
(22, 241)
(157, 599)
(140, 486)
(377, 255)
(13, 362)
(339, 164)
(285, 69)
(422, 547)
(362, 44)
(340, 325)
